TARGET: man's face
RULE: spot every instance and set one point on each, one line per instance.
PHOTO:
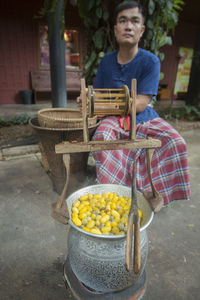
(129, 27)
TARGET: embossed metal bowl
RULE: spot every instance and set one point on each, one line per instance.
(98, 261)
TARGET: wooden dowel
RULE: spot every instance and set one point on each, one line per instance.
(109, 95)
(108, 90)
(107, 106)
(133, 109)
(129, 237)
(133, 219)
(109, 102)
(84, 110)
(137, 254)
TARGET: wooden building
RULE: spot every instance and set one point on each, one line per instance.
(178, 57)
(23, 45)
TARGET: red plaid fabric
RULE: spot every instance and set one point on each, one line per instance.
(169, 165)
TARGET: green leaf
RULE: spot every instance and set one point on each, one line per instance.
(153, 45)
(98, 38)
(86, 23)
(169, 5)
(161, 77)
(90, 5)
(150, 34)
(161, 56)
(101, 54)
(81, 9)
(168, 40)
(91, 60)
(105, 15)
(99, 12)
(150, 24)
(151, 7)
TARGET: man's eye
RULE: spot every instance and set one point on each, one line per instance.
(122, 21)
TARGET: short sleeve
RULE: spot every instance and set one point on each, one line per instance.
(148, 81)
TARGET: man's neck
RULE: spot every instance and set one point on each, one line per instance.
(126, 54)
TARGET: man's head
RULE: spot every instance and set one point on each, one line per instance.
(129, 23)
(127, 5)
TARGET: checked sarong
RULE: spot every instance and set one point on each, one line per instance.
(169, 164)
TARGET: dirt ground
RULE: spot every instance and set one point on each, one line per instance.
(34, 245)
(7, 132)
(15, 135)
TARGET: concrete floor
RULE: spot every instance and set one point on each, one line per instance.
(9, 110)
(34, 245)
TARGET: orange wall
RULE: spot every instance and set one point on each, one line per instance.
(19, 45)
(18, 50)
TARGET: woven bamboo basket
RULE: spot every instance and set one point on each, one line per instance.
(48, 138)
(63, 118)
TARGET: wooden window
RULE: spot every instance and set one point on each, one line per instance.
(72, 51)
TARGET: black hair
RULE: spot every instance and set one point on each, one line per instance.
(127, 5)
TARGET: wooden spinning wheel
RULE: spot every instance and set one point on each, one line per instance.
(104, 102)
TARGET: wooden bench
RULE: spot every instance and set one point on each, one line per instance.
(41, 84)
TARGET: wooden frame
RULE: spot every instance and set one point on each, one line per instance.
(72, 49)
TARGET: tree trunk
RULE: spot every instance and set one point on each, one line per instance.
(57, 59)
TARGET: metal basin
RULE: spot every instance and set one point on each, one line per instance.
(98, 261)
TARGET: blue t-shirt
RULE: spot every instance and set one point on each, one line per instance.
(145, 68)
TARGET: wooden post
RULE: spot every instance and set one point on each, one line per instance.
(133, 109)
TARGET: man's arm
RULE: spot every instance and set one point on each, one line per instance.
(141, 102)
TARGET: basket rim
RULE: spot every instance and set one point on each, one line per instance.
(58, 108)
(62, 119)
(59, 129)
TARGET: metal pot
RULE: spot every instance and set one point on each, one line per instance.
(98, 261)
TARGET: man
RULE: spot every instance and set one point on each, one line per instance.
(169, 165)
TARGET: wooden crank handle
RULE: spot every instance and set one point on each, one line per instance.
(66, 160)
(128, 257)
(133, 219)
(137, 254)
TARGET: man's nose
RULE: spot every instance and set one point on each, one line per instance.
(129, 25)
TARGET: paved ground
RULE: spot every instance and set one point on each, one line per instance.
(33, 245)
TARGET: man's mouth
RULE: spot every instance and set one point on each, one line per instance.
(127, 35)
